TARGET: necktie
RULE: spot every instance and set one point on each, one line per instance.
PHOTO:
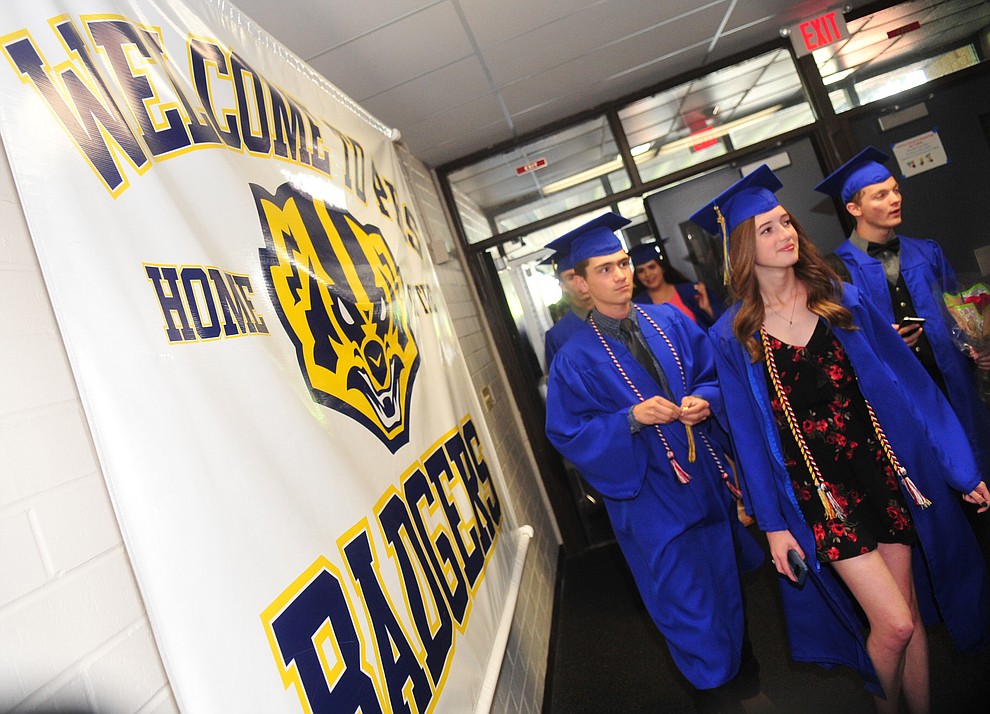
(635, 345)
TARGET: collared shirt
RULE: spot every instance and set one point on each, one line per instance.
(609, 327)
(891, 259)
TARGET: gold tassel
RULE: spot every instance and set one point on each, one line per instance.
(832, 508)
(692, 451)
(726, 268)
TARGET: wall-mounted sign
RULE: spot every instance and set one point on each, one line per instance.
(920, 153)
(910, 27)
(817, 32)
(530, 167)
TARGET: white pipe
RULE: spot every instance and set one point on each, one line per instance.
(487, 693)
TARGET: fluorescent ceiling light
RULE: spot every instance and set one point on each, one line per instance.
(640, 152)
(717, 132)
(586, 175)
(838, 76)
(643, 152)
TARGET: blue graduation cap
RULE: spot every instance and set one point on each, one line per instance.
(559, 262)
(749, 196)
(864, 169)
(644, 253)
(594, 238)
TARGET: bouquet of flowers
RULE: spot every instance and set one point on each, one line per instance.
(970, 309)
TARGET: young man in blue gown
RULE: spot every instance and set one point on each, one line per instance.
(629, 401)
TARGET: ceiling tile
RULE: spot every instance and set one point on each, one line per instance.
(591, 71)
(310, 27)
(397, 53)
(480, 112)
(492, 22)
(665, 67)
(745, 13)
(598, 28)
(416, 64)
(439, 148)
(432, 94)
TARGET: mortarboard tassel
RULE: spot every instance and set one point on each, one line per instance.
(726, 268)
(692, 451)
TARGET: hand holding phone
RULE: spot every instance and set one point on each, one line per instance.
(910, 321)
(798, 567)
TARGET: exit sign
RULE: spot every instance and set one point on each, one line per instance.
(531, 166)
(818, 32)
(703, 139)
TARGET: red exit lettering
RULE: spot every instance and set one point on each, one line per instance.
(819, 32)
(531, 166)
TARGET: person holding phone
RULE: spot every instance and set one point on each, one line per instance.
(656, 281)
(849, 456)
(905, 278)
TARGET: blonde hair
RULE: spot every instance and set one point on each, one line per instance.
(822, 283)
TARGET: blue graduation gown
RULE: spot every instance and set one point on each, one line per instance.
(927, 438)
(557, 335)
(927, 275)
(683, 542)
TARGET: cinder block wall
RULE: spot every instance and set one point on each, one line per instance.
(520, 685)
(73, 631)
(74, 634)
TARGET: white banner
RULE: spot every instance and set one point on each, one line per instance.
(284, 418)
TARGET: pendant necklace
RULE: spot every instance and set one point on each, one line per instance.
(790, 320)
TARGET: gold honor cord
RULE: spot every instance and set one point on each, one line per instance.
(682, 475)
(916, 495)
(723, 473)
(832, 507)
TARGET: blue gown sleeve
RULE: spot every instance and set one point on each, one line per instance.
(597, 440)
(759, 468)
(942, 427)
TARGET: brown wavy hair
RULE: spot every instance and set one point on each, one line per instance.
(822, 283)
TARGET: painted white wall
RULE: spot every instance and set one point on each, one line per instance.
(73, 630)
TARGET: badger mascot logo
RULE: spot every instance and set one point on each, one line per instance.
(339, 295)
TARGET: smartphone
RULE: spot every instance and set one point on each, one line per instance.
(905, 321)
(798, 567)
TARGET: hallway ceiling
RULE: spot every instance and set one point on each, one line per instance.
(458, 76)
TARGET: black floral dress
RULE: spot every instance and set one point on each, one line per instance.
(831, 412)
